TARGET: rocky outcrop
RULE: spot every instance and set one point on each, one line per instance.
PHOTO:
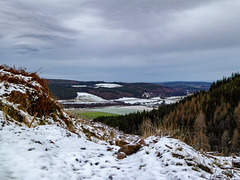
(130, 149)
(120, 143)
(141, 141)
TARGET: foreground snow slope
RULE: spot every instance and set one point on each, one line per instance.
(51, 152)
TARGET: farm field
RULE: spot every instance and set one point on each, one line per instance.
(91, 113)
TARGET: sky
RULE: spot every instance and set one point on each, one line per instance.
(122, 40)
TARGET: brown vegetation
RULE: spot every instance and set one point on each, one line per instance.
(36, 97)
(130, 149)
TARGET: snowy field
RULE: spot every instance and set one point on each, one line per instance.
(79, 86)
(100, 85)
(107, 85)
(150, 101)
(87, 98)
(131, 100)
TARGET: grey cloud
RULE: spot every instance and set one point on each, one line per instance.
(43, 37)
(123, 40)
(24, 49)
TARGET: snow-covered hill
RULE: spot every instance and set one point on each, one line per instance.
(86, 97)
(51, 152)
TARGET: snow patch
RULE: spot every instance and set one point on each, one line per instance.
(79, 86)
(87, 97)
(107, 85)
(131, 100)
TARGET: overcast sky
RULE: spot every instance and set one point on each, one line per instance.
(122, 40)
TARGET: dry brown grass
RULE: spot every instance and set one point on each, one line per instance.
(37, 99)
(147, 129)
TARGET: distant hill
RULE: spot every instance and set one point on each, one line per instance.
(208, 120)
(187, 86)
(67, 89)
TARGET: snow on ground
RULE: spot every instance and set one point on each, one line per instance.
(131, 100)
(151, 101)
(173, 99)
(25, 78)
(49, 152)
(12, 87)
(107, 85)
(87, 97)
(15, 86)
(6, 88)
(79, 86)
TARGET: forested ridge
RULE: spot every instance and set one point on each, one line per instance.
(67, 89)
(207, 120)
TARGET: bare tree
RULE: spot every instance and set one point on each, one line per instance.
(200, 139)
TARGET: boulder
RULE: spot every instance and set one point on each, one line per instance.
(130, 149)
(121, 155)
(142, 142)
(120, 143)
(236, 163)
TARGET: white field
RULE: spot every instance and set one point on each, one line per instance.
(86, 97)
(131, 100)
(79, 86)
(151, 101)
(107, 85)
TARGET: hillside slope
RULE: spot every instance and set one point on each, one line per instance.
(190, 87)
(25, 97)
(206, 120)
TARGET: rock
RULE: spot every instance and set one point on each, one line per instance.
(109, 148)
(236, 163)
(121, 155)
(130, 149)
(120, 143)
(142, 142)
